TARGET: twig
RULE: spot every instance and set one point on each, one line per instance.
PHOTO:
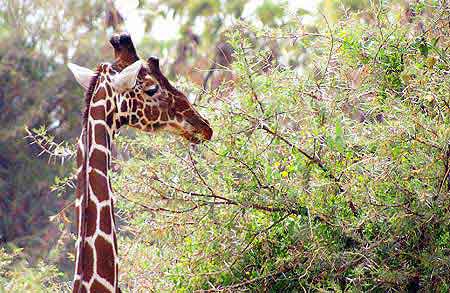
(313, 159)
(256, 235)
(298, 211)
(329, 53)
(159, 209)
(250, 79)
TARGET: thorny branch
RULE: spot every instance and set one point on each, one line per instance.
(255, 235)
(250, 79)
(159, 209)
(225, 200)
(49, 147)
(330, 53)
(282, 271)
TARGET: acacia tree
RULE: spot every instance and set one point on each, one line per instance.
(334, 177)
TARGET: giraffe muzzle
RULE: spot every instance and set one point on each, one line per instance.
(202, 130)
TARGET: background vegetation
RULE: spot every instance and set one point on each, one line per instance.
(328, 170)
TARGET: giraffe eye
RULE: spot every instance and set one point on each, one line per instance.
(152, 90)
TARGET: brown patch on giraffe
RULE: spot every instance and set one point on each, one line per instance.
(171, 113)
(100, 134)
(134, 119)
(105, 220)
(110, 119)
(88, 262)
(181, 104)
(151, 113)
(164, 116)
(79, 156)
(99, 186)
(179, 118)
(140, 105)
(189, 113)
(91, 216)
(155, 113)
(98, 113)
(108, 106)
(99, 95)
(76, 286)
(124, 107)
(105, 259)
(80, 182)
(98, 288)
(134, 107)
(124, 120)
(98, 160)
(148, 111)
(109, 90)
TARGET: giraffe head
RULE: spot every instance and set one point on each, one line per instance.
(141, 96)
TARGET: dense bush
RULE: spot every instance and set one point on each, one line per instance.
(331, 173)
(334, 177)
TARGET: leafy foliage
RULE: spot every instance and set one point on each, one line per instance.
(331, 179)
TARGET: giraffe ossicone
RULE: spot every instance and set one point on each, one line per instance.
(133, 92)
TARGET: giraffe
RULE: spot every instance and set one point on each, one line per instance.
(133, 92)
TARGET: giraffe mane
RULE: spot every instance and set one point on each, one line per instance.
(87, 99)
(89, 94)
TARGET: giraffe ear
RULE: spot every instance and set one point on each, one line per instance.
(82, 75)
(126, 79)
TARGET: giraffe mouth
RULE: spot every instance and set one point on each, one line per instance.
(194, 138)
(190, 133)
(201, 131)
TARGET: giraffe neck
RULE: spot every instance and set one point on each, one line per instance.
(96, 260)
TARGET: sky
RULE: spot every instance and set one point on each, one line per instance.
(165, 28)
